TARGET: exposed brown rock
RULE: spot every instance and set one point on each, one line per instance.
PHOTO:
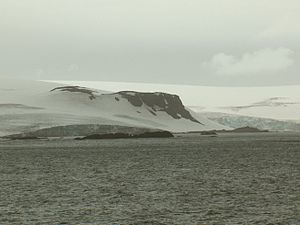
(158, 101)
(78, 89)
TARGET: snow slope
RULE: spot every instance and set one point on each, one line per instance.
(279, 102)
(31, 105)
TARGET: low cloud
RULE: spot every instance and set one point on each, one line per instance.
(263, 61)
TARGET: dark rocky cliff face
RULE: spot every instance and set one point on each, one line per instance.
(77, 89)
(158, 101)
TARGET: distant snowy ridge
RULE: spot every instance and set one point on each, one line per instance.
(31, 105)
(271, 102)
(277, 108)
(237, 121)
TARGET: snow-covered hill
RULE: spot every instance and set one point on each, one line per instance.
(31, 105)
(279, 102)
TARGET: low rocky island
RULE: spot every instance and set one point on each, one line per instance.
(91, 131)
(248, 129)
(80, 130)
(155, 134)
(14, 138)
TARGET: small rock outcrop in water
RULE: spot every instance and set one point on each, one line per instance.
(248, 129)
(24, 138)
(209, 132)
(157, 134)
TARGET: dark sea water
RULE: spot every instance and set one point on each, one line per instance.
(229, 179)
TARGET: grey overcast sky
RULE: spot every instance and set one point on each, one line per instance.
(206, 42)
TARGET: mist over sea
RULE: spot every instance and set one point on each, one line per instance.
(190, 179)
